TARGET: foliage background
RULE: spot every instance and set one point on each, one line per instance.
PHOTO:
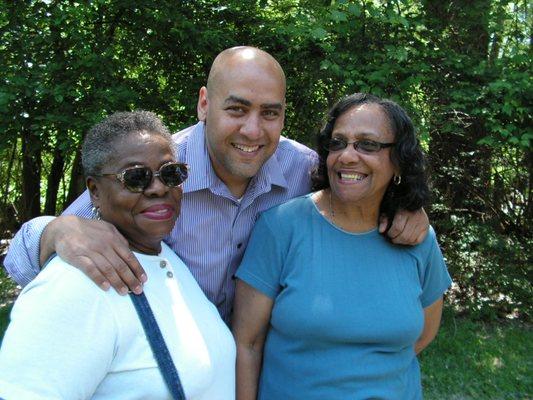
(462, 69)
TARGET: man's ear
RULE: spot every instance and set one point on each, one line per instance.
(203, 104)
(94, 192)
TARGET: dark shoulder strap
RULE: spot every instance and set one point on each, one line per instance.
(157, 343)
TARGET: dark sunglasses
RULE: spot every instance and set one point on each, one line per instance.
(136, 179)
(364, 146)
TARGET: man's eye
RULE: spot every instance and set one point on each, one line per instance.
(235, 109)
(271, 113)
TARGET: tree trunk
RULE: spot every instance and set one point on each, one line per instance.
(31, 175)
(8, 174)
(77, 183)
(54, 178)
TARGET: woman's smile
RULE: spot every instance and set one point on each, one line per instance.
(159, 212)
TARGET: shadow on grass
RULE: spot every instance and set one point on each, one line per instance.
(473, 360)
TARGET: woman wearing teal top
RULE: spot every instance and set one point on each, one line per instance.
(326, 307)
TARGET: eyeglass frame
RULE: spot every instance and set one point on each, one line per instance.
(120, 175)
(355, 144)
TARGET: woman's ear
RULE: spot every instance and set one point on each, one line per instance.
(92, 185)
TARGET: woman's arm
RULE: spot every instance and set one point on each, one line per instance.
(60, 343)
(432, 315)
(251, 316)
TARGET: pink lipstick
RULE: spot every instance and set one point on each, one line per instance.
(159, 212)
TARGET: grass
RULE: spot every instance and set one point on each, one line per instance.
(4, 319)
(473, 360)
(467, 361)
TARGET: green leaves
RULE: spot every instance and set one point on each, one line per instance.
(463, 74)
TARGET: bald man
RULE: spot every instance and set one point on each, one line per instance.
(240, 165)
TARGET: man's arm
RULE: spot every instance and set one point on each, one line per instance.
(408, 227)
(22, 258)
(95, 247)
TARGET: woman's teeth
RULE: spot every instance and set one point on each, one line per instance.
(351, 177)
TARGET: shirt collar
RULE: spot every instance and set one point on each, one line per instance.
(203, 175)
(197, 157)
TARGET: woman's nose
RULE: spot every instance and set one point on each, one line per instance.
(349, 154)
(156, 188)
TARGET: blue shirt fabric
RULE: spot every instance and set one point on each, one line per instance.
(348, 308)
(214, 226)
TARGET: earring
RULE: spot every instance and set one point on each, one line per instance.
(96, 213)
(397, 179)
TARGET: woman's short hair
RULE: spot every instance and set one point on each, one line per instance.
(99, 145)
(413, 192)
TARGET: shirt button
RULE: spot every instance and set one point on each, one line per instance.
(170, 274)
(239, 245)
(163, 264)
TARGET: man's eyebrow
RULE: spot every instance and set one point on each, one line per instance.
(276, 106)
(236, 99)
(231, 99)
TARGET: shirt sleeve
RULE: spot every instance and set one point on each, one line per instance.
(22, 259)
(434, 275)
(61, 339)
(262, 263)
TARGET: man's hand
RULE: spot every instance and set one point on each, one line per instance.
(95, 247)
(408, 227)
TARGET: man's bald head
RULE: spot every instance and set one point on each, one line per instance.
(243, 109)
(236, 59)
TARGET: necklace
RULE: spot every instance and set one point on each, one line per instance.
(331, 212)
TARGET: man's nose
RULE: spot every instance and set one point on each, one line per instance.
(251, 128)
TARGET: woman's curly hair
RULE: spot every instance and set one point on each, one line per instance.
(413, 191)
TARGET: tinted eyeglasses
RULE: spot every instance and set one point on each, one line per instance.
(136, 179)
(364, 146)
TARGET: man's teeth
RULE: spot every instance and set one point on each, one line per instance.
(351, 177)
(247, 149)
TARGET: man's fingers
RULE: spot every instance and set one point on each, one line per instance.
(109, 271)
(105, 258)
(383, 222)
(409, 227)
(131, 261)
(397, 227)
(89, 268)
(407, 236)
(123, 270)
(420, 238)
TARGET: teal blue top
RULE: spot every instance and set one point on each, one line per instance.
(348, 307)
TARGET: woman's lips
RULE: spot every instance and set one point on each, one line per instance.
(159, 212)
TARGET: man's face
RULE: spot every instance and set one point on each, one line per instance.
(244, 115)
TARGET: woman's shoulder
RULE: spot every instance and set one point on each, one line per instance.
(58, 273)
(291, 209)
(427, 248)
(61, 283)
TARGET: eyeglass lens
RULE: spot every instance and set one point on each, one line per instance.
(365, 146)
(138, 179)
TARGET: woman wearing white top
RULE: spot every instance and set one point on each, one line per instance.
(70, 340)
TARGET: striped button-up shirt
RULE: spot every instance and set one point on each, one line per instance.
(212, 232)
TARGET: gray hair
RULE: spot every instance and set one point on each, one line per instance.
(99, 144)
